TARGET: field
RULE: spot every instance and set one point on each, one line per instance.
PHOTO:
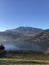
(12, 62)
(24, 59)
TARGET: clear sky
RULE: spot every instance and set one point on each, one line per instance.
(15, 13)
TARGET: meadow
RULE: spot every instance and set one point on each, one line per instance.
(24, 59)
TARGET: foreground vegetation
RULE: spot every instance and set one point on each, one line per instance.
(12, 58)
(10, 62)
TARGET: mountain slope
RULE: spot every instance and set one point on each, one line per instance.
(41, 39)
(15, 34)
(21, 38)
(44, 35)
(25, 30)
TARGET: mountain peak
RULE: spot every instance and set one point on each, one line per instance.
(25, 30)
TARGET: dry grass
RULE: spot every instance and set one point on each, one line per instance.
(24, 59)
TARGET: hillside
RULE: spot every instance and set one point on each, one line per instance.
(26, 38)
(42, 38)
(25, 30)
(16, 38)
(14, 34)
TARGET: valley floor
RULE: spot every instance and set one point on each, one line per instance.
(24, 59)
(11, 61)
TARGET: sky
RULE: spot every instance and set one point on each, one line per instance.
(15, 13)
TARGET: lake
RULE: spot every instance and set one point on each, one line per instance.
(22, 46)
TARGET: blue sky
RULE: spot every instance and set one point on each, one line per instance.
(15, 13)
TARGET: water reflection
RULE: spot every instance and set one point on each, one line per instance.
(10, 47)
(22, 46)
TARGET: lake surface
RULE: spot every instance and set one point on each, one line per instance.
(22, 46)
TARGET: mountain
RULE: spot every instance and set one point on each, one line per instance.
(25, 30)
(44, 35)
(41, 39)
(14, 34)
(8, 36)
(25, 38)
(20, 38)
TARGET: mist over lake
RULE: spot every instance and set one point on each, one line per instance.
(21, 46)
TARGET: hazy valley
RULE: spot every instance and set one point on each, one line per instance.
(25, 38)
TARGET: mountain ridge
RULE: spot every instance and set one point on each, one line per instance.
(26, 38)
(28, 30)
